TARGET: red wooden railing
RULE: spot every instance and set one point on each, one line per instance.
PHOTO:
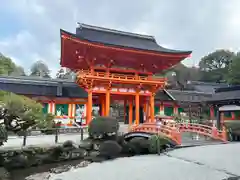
(117, 76)
(170, 132)
(173, 131)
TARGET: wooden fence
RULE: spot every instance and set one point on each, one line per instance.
(54, 131)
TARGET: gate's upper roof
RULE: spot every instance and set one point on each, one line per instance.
(122, 39)
(97, 46)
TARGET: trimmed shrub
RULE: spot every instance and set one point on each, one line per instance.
(3, 135)
(109, 149)
(57, 152)
(139, 145)
(86, 144)
(120, 139)
(102, 127)
(51, 128)
(158, 143)
(68, 144)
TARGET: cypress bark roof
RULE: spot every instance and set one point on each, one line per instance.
(122, 39)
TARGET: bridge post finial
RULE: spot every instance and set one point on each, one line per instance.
(224, 134)
(214, 131)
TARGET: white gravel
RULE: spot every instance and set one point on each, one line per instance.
(214, 162)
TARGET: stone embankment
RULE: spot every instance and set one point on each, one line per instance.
(30, 156)
(35, 156)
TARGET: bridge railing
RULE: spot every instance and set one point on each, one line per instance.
(204, 130)
(173, 131)
(169, 132)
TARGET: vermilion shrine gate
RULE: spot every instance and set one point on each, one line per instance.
(114, 65)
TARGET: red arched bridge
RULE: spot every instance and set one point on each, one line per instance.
(173, 131)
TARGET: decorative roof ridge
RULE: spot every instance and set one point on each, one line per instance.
(169, 94)
(207, 83)
(97, 28)
(227, 89)
(188, 91)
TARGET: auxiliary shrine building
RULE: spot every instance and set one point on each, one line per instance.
(112, 67)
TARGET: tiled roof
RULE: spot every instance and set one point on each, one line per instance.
(183, 96)
(122, 39)
(189, 96)
(205, 87)
(41, 87)
(230, 94)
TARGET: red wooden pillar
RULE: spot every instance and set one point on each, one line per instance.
(152, 107)
(212, 116)
(175, 109)
(102, 99)
(130, 111)
(124, 109)
(137, 108)
(89, 107)
(107, 103)
(161, 106)
(233, 115)
(145, 109)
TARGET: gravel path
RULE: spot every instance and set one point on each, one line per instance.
(197, 163)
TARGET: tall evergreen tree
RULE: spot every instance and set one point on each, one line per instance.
(8, 67)
(40, 69)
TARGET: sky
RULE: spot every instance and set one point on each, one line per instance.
(30, 29)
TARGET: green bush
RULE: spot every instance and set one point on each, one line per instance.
(20, 112)
(68, 144)
(127, 148)
(139, 145)
(120, 139)
(86, 144)
(57, 152)
(102, 127)
(233, 130)
(22, 133)
(50, 127)
(158, 143)
(3, 135)
(109, 149)
(46, 122)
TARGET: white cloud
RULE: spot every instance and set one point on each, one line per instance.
(200, 26)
